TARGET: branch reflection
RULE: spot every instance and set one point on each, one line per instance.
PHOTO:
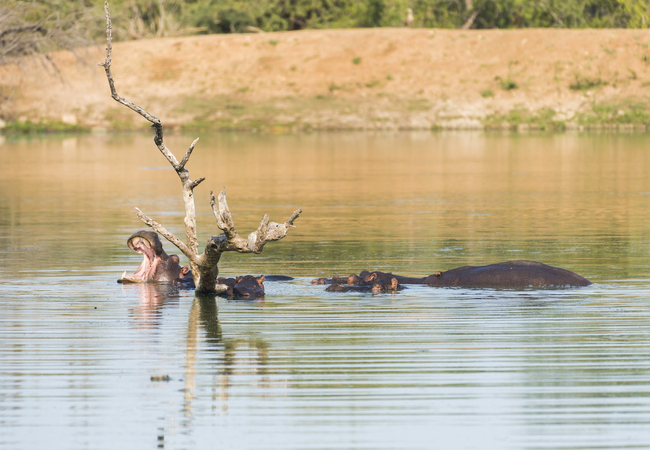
(232, 355)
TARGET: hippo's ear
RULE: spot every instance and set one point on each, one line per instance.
(370, 278)
(393, 283)
(174, 258)
(260, 280)
(238, 279)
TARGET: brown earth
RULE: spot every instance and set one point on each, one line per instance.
(340, 79)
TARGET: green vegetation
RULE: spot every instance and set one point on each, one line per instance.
(632, 113)
(583, 83)
(59, 23)
(288, 115)
(356, 60)
(272, 116)
(538, 120)
(28, 28)
(486, 93)
(507, 84)
(121, 118)
(421, 104)
(275, 15)
(41, 127)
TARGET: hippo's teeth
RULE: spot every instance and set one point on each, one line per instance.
(124, 275)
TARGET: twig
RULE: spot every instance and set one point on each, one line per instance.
(183, 174)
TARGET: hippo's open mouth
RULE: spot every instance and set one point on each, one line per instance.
(150, 260)
(157, 266)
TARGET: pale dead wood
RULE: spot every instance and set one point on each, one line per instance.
(190, 250)
(266, 232)
(468, 24)
(555, 17)
(204, 266)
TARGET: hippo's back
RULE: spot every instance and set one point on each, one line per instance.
(509, 274)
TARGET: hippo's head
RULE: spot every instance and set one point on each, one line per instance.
(156, 265)
(379, 286)
(249, 287)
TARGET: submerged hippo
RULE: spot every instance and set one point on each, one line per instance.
(366, 277)
(374, 285)
(157, 266)
(510, 274)
(246, 287)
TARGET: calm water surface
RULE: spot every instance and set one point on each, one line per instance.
(305, 369)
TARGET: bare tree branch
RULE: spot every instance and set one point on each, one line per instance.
(204, 266)
(186, 158)
(188, 185)
(196, 182)
(555, 17)
(266, 232)
(158, 228)
(15, 30)
(468, 24)
(111, 82)
(24, 31)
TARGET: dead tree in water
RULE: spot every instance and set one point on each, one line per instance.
(204, 266)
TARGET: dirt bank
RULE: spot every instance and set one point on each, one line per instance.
(350, 79)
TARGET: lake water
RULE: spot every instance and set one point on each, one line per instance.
(81, 355)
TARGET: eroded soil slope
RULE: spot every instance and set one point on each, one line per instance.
(348, 79)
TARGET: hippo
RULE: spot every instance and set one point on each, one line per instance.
(246, 287)
(376, 286)
(157, 266)
(366, 277)
(509, 274)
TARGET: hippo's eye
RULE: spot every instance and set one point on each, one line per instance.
(438, 274)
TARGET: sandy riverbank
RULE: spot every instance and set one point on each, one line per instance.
(349, 79)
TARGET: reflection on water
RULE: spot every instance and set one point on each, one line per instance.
(153, 297)
(82, 357)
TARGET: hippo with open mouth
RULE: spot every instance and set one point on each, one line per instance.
(157, 266)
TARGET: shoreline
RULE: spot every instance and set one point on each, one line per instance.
(9, 133)
(335, 80)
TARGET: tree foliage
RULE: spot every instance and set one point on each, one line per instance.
(28, 28)
(37, 26)
(275, 15)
